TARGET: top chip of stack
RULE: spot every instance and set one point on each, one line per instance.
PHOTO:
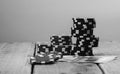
(82, 26)
(91, 22)
(84, 23)
(43, 48)
(60, 40)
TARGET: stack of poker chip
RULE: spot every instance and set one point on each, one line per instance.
(44, 48)
(80, 43)
(45, 54)
(60, 40)
(82, 30)
(61, 44)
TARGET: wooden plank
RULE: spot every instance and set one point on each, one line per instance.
(14, 60)
(67, 68)
(109, 48)
(112, 67)
(14, 57)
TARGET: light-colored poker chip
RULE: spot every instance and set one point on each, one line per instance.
(43, 62)
(52, 60)
(40, 55)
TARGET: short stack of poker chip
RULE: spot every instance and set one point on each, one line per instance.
(82, 30)
(45, 54)
(60, 40)
(61, 44)
(63, 49)
(44, 47)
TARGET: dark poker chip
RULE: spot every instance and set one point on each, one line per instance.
(82, 51)
(44, 47)
(96, 42)
(61, 40)
(79, 21)
(91, 22)
(43, 59)
(78, 32)
(64, 49)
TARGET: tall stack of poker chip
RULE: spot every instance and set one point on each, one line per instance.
(61, 44)
(82, 30)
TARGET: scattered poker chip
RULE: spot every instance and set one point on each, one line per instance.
(40, 58)
(43, 59)
(58, 55)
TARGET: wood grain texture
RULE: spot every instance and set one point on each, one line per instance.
(67, 68)
(109, 48)
(14, 58)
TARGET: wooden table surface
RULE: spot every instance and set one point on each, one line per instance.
(110, 48)
(14, 59)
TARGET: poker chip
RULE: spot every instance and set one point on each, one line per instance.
(78, 20)
(60, 40)
(43, 59)
(80, 43)
(64, 49)
(82, 51)
(44, 47)
(78, 32)
(58, 55)
(91, 22)
(96, 42)
(85, 40)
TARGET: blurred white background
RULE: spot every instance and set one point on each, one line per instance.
(37, 20)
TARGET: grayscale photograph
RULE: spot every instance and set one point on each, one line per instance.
(59, 37)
